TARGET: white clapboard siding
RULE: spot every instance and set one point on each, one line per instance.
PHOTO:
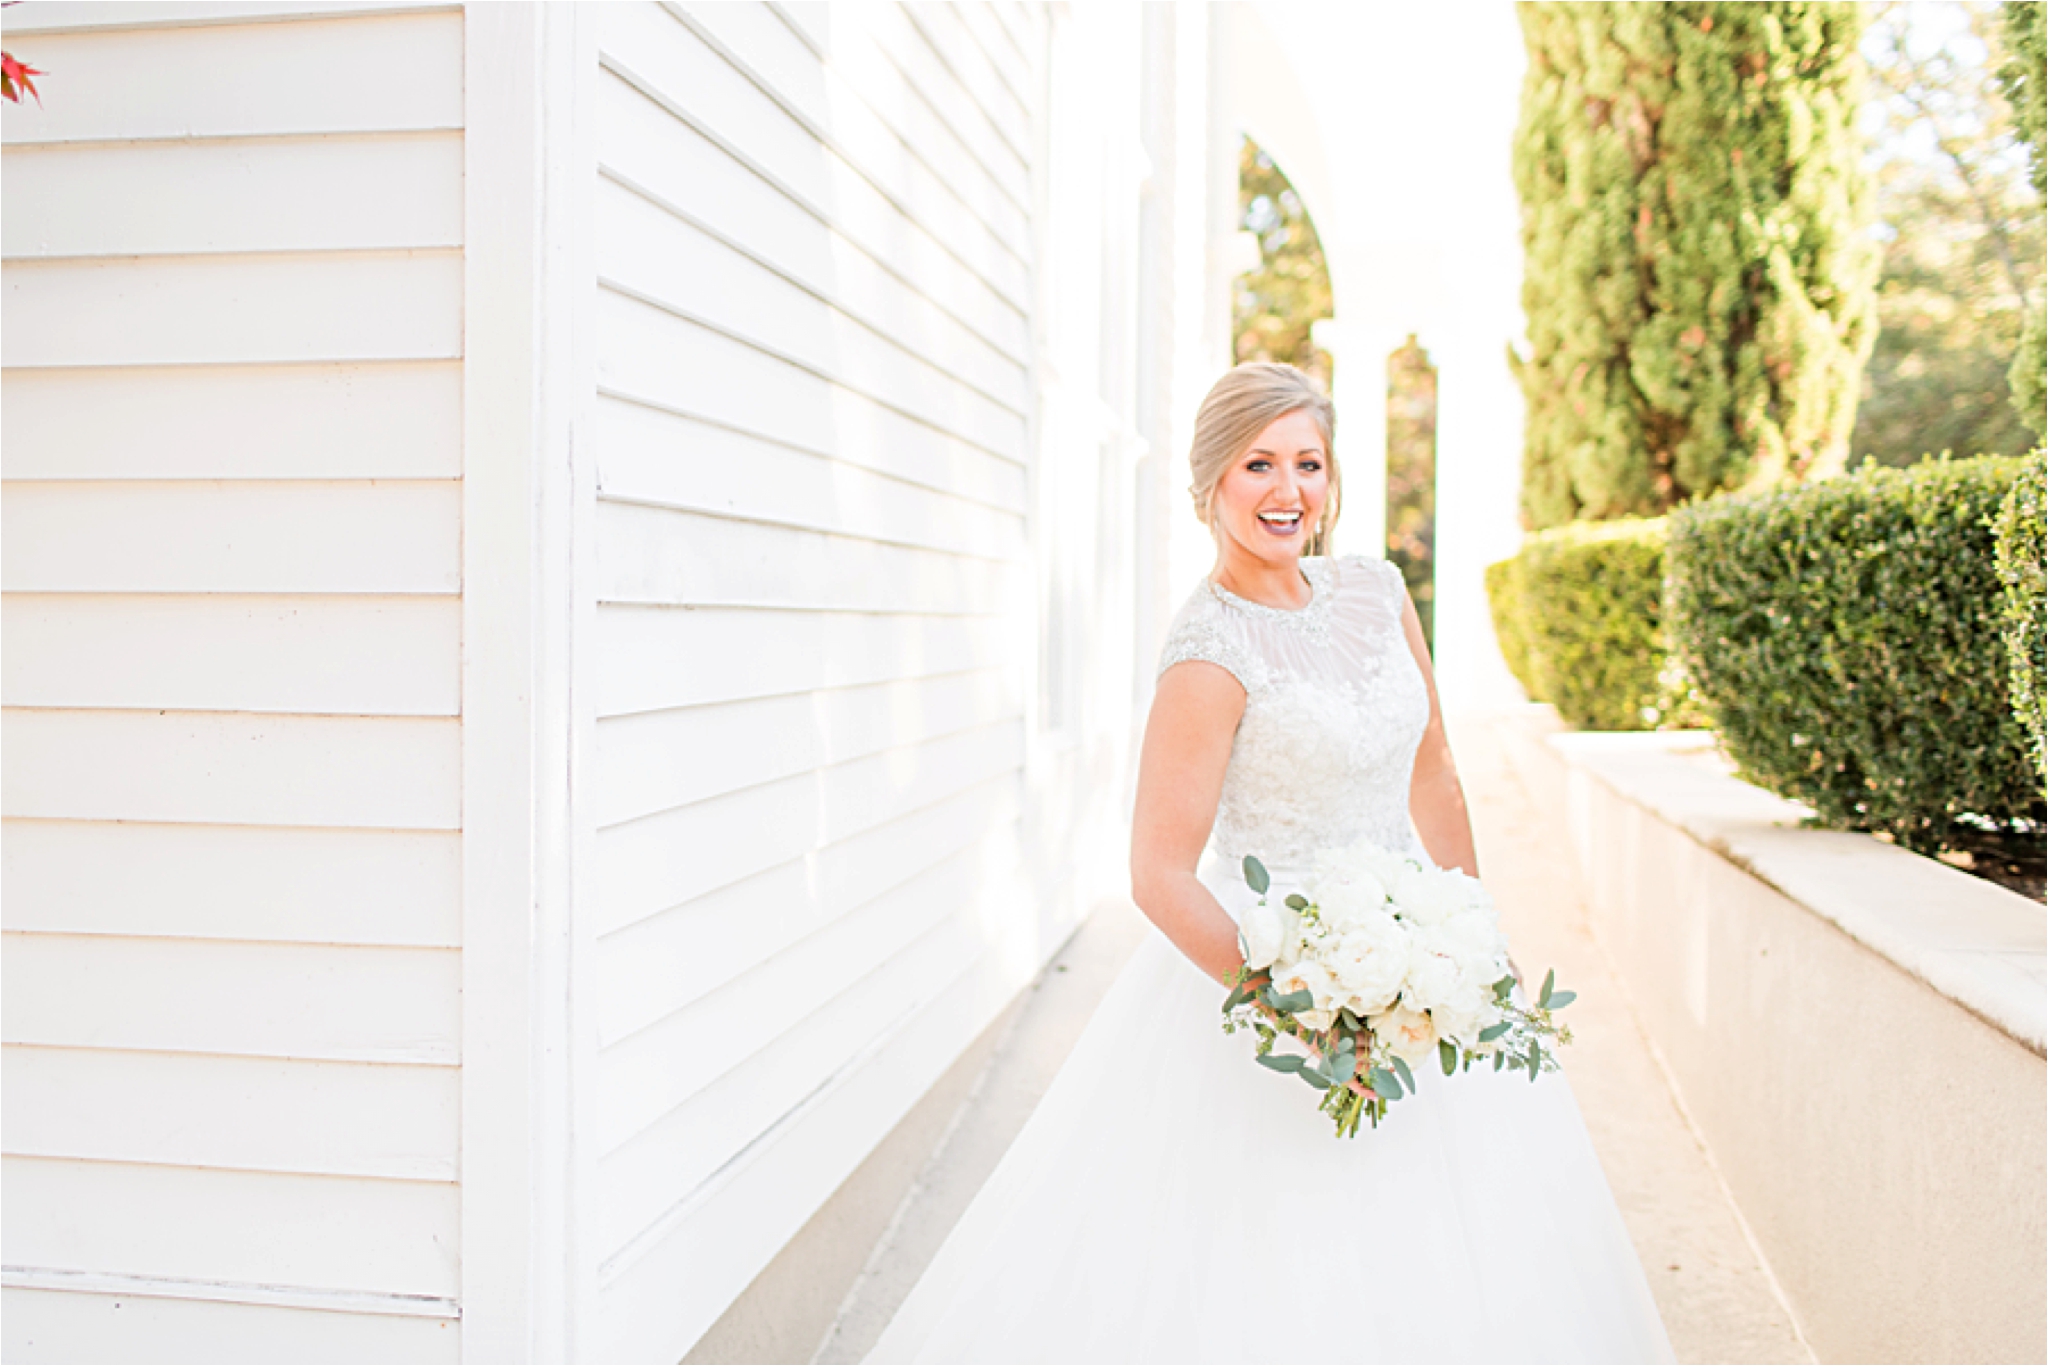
(391, 656)
(668, 361)
(391, 420)
(400, 536)
(875, 115)
(403, 71)
(663, 53)
(674, 1281)
(228, 195)
(849, 258)
(233, 768)
(117, 1326)
(985, 61)
(259, 1114)
(248, 882)
(657, 255)
(655, 556)
(656, 657)
(253, 1228)
(343, 1004)
(655, 967)
(663, 860)
(652, 761)
(291, 306)
(890, 41)
(659, 459)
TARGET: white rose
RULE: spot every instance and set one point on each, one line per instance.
(1268, 933)
(1310, 976)
(1409, 1034)
(1370, 962)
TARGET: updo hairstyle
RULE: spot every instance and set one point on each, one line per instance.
(1248, 399)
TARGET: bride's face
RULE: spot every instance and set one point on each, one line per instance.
(1271, 498)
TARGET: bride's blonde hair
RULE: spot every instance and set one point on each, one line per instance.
(1248, 399)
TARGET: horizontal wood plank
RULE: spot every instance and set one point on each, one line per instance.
(867, 109)
(655, 357)
(394, 773)
(185, 310)
(656, 967)
(394, 420)
(117, 1327)
(252, 1000)
(653, 761)
(406, 74)
(658, 52)
(667, 859)
(660, 459)
(652, 658)
(86, 16)
(250, 882)
(398, 656)
(169, 536)
(902, 936)
(256, 1114)
(661, 556)
(996, 74)
(344, 1233)
(888, 35)
(260, 195)
(646, 250)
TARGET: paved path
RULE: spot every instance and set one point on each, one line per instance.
(1717, 1300)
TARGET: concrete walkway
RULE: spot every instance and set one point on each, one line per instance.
(1718, 1301)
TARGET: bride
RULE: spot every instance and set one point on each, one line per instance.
(1169, 1200)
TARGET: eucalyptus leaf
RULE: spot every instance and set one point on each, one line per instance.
(1314, 1078)
(1296, 901)
(1560, 999)
(1504, 986)
(1255, 874)
(1384, 1084)
(1284, 1062)
(1535, 1061)
(1401, 1066)
(1447, 1054)
(1350, 1021)
(1293, 1001)
(1549, 981)
(1494, 1031)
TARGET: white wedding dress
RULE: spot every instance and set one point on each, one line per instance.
(1171, 1201)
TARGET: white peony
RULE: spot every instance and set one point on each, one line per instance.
(1435, 981)
(1409, 1034)
(1311, 976)
(1370, 962)
(1429, 896)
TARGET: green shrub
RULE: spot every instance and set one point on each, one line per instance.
(1504, 601)
(2021, 534)
(1582, 605)
(1844, 640)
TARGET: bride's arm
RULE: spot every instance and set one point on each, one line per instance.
(1180, 779)
(1435, 797)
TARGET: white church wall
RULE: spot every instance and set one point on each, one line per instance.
(233, 289)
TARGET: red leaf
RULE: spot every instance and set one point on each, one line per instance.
(14, 78)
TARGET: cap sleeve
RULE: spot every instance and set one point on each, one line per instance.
(1203, 632)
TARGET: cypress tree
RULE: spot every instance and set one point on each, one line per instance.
(1699, 281)
(2021, 76)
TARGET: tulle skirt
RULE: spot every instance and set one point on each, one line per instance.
(1171, 1201)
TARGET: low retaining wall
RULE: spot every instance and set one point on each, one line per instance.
(1856, 1032)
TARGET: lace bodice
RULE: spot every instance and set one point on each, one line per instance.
(1334, 710)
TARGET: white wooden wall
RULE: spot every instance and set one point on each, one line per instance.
(232, 387)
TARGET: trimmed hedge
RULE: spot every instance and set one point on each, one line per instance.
(1582, 607)
(2021, 537)
(1844, 640)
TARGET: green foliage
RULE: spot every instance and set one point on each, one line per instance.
(2021, 533)
(1844, 640)
(1276, 304)
(1411, 477)
(1963, 240)
(1504, 593)
(1582, 607)
(2022, 76)
(1698, 270)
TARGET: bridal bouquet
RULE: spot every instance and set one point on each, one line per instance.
(1376, 964)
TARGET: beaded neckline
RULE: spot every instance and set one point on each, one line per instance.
(1314, 568)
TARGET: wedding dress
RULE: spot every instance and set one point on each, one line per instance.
(1171, 1201)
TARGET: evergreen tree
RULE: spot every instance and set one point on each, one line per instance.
(1276, 304)
(1411, 477)
(1698, 277)
(2022, 77)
